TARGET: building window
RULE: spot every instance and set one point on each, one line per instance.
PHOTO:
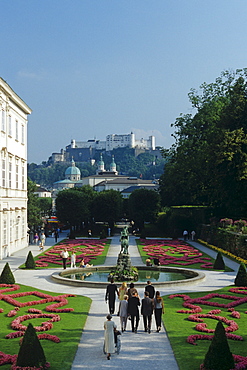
(17, 176)
(23, 227)
(3, 173)
(3, 120)
(16, 232)
(10, 230)
(10, 126)
(16, 131)
(10, 174)
(4, 232)
(23, 177)
(22, 134)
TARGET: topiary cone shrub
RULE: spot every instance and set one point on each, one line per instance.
(219, 356)
(30, 263)
(241, 278)
(6, 276)
(31, 353)
(219, 263)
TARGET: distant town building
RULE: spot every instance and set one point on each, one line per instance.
(13, 168)
(84, 151)
(42, 192)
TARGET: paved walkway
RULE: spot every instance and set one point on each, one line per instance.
(139, 351)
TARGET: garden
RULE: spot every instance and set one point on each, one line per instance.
(176, 253)
(190, 321)
(58, 321)
(93, 251)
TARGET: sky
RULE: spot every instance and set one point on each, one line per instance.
(89, 68)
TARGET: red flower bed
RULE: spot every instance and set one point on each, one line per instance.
(165, 251)
(240, 361)
(86, 249)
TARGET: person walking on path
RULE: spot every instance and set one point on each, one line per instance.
(150, 289)
(109, 345)
(56, 235)
(133, 310)
(158, 310)
(64, 254)
(185, 235)
(121, 293)
(42, 241)
(73, 260)
(36, 238)
(147, 311)
(123, 312)
(110, 295)
(131, 290)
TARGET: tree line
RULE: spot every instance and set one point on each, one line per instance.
(207, 165)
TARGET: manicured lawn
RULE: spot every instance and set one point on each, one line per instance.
(179, 328)
(174, 253)
(68, 329)
(93, 251)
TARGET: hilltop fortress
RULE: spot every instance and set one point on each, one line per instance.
(84, 151)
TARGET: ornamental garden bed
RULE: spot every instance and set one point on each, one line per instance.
(58, 320)
(93, 251)
(190, 320)
(174, 253)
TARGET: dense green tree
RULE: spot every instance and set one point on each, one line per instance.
(208, 162)
(219, 356)
(45, 206)
(7, 276)
(107, 207)
(241, 278)
(74, 206)
(30, 263)
(33, 210)
(144, 206)
(31, 353)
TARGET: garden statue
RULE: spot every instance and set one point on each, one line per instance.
(124, 240)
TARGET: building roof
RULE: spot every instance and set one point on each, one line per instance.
(72, 170)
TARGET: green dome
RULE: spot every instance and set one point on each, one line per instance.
(72, 170)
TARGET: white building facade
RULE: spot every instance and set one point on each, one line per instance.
(13, 169)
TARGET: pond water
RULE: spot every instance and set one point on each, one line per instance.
(143, 276)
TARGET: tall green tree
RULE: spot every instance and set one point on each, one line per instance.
(144, 206)
(33, 209)
(73, 206)
(107, 207)
(208, 163)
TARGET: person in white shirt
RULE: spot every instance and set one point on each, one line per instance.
(64, 255)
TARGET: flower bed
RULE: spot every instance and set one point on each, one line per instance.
(174, 252)
(225, 312)
(87, 249)
(48, 327)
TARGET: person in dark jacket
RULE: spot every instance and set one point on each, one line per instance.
(150, 289)
(110, 295)
(133, 311)
(147, 311)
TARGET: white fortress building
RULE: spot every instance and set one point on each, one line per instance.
(13, 168)
(84, 150)
(114, 141)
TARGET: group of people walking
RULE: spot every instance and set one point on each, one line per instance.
(129, 304)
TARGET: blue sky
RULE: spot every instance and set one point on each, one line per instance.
(88, 68)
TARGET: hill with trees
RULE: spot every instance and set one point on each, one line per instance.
(145, 165)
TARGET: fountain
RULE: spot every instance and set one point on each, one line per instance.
(124, 271)
(98, 276)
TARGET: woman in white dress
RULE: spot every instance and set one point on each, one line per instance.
(109, 336)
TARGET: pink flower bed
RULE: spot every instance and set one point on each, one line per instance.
(165, 251)
(33, 313)
(86, 249)
(240, 361)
